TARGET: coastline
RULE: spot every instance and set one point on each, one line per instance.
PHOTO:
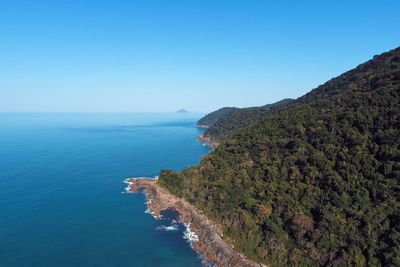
(207, 141)
(202, 126)
(207, 238)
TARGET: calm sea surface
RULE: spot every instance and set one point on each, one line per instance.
(61, 184)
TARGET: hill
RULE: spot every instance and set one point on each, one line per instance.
(237, 118)
(182, 111)
(315, 183)
(212, 117)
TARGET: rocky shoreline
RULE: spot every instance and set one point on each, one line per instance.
(208, 241)
(201, 126)
(206, 140)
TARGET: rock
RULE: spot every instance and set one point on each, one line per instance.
(209, 243)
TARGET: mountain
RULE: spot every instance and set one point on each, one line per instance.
(316, 183)
(234, 119)
(182, 111)
(212, 117)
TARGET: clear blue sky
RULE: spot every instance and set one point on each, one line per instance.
(120, 56)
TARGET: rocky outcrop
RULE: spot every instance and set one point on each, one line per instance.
(208, 141)
(208, 236)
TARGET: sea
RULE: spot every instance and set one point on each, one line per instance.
(62, 190)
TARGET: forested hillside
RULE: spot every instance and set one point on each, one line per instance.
(315, 183)
(238, 118)
(212, 117)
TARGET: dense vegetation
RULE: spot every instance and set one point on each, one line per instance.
(316, 183)
(238, 118)
(212, 117)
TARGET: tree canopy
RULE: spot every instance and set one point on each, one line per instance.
(229, 123)
(315, 183)
(212, 117)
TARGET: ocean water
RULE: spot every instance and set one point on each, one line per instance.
(61, 184)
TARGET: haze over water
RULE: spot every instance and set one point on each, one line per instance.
(61, 178)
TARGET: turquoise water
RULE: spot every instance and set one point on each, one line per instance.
(61, 178)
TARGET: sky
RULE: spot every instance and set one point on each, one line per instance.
(161, 56)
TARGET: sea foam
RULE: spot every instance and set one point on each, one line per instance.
(167, 228)
(129, 183)
(189, 235)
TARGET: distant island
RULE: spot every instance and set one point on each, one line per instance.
(183, 111)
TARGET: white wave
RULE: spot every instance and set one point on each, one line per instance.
(167, 228)
(143, 178)
(128, 181)
(189, 235)
(128, 188)
(148, 211)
